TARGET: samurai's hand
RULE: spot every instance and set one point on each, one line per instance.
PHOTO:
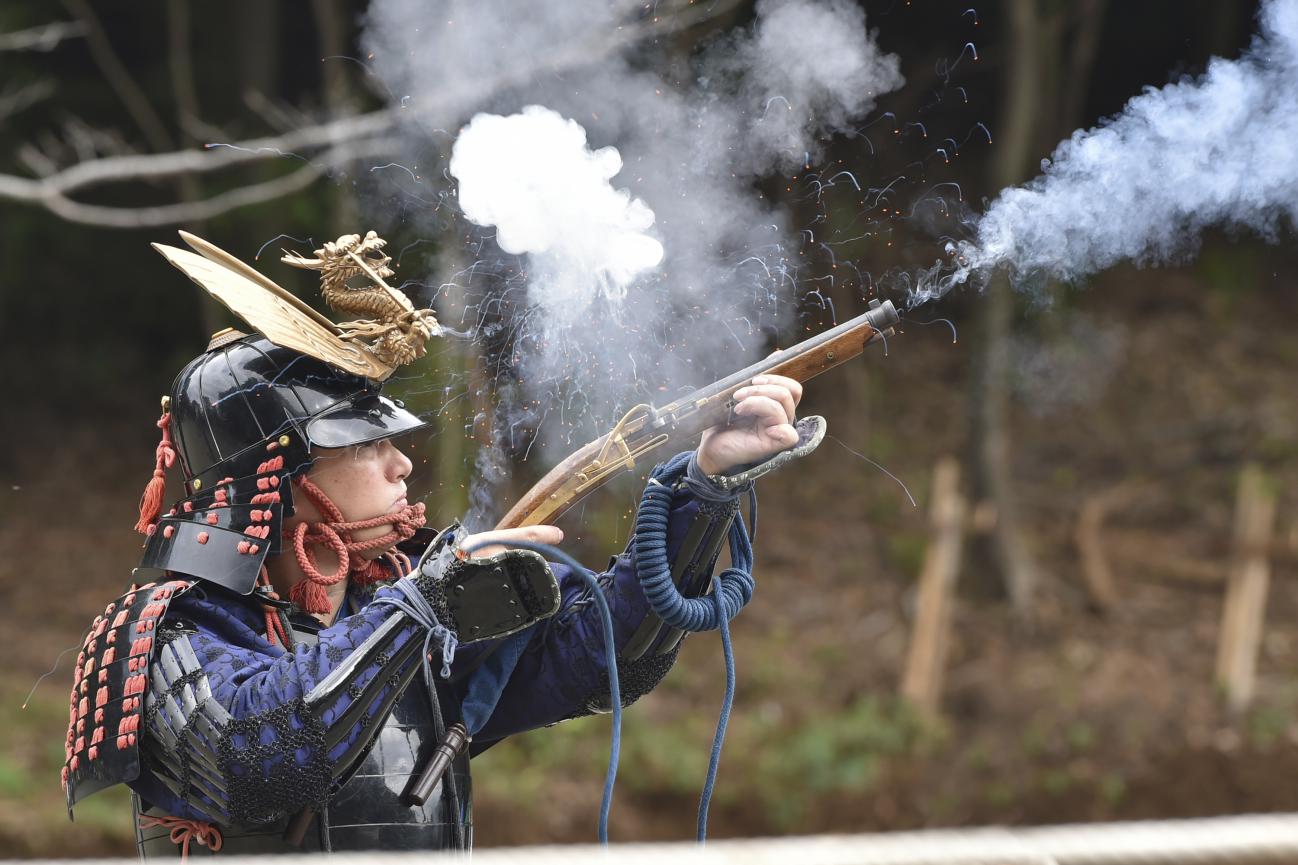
(499, 540)
(761, 426)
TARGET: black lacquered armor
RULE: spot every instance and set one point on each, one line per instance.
(367, 807)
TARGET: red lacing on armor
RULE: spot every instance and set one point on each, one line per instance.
(165, 458)
(183, 831)
(309, 594)
(274, 624)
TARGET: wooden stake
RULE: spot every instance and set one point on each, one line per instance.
(1095, 564)
(926, 661)
(1093, 547)
(1246, 590)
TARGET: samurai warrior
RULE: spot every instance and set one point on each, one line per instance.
(301, 663)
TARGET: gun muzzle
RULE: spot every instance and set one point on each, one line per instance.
(882, 315)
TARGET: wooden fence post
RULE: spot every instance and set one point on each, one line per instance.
(926, 660)
(1090, 546)
(1246, 590)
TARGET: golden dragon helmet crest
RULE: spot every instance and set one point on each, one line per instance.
(353, 280)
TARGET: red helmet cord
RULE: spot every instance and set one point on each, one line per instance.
(165, 458)
(335, 532)
(274, 624)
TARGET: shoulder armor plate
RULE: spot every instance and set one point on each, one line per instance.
(108, 686)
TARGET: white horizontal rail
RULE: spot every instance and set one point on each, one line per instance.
(1244, 839)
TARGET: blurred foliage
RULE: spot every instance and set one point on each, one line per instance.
(788, 760)
(30, 762)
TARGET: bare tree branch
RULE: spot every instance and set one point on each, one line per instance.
(358, 136)
(276, 114)
(195, 211)
(36, 161)
(78, 141)
(137, 104)
(42, 38)
(17, 99)
(119, 169)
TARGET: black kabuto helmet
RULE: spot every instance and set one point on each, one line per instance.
(242, 418)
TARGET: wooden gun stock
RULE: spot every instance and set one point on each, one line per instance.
(645, 430)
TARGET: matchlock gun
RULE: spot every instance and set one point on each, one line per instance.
(645, 430)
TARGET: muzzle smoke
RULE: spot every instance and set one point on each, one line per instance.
(548, 195)
(1217, 150)
(650, 287)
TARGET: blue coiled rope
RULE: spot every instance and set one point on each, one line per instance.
(610, 654)
(731, 590)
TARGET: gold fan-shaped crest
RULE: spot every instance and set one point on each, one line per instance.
(287, 321)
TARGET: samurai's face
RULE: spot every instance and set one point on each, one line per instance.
(363, 481)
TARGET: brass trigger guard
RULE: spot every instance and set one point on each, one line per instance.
(608, 462)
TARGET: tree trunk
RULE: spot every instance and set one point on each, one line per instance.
(331, 25)
(189, 188)
(1050, 63)
(992, 394)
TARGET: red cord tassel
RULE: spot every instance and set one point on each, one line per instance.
(274, 625)
(310, 596)
(164, 458)
(370, 574)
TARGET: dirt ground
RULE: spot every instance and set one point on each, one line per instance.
(1074, 716)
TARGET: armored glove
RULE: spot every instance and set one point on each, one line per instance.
(486, 598)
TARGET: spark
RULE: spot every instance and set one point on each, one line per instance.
(850, 176)
(898, 179)
(899, 481)
(211, 145)
(769, 103)
(306, 241)
(413, 176)
(955, 337)
(51, 672)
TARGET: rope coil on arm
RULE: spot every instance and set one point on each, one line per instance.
(413, 603)
(732, 589)
(733, 586)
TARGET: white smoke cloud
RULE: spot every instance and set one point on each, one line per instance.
(806, 67)
(1216, 150)
(693, 133)
(532, 177)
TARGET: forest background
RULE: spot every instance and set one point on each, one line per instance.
(1149, 390)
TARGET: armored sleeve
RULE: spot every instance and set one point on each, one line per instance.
(563, 672)
(240, 730)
